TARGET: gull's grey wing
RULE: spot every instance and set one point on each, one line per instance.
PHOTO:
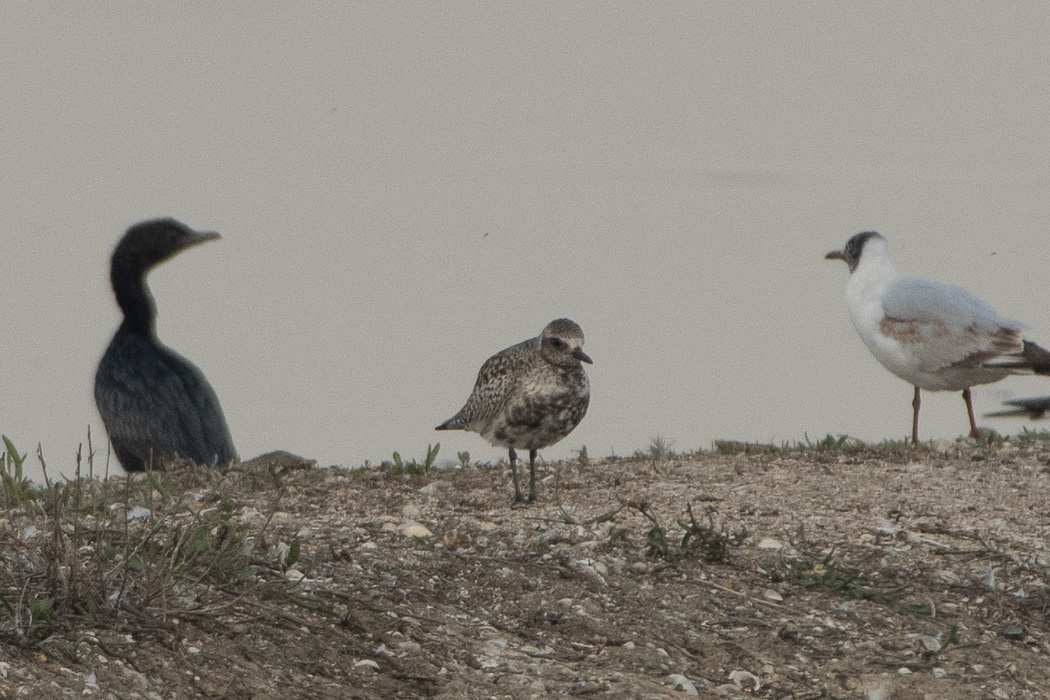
(954, 327)
(918, 299)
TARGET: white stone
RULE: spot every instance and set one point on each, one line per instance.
(415, 530)
(739, 677)
(682, 683)
(435, 486)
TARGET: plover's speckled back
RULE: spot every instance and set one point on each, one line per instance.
(529, 396)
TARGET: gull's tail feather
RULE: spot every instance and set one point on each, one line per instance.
(1032, 358)
(1037, 356)
(1034, 407)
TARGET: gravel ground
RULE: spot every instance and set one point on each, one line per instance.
(882, 574)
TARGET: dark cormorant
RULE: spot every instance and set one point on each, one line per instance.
(155, 403)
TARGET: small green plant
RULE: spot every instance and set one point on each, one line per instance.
(582, 457)
(660, 447)
(659, 546)
(951, 638)
(32, 619)
(415, 467)
(831, 442)
(464, 459)
(708, 542)
(17, 488)
(432, 453)
(829, 575)
(210, 550)
(293, 554)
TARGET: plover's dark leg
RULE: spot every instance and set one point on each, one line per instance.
(915, 403)
(969, 411)
(514, 473)
(532, 475)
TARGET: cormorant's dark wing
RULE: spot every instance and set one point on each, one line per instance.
(215, 443)
(150, 398)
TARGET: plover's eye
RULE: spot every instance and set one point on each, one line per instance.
(557, 342)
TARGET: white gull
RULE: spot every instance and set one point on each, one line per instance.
(934, 336)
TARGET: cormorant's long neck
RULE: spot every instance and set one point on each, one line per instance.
(133, 297)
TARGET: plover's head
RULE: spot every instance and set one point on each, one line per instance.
(855, 246)
(561, 343)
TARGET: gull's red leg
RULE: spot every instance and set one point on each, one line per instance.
(915, 403)
(969, 411)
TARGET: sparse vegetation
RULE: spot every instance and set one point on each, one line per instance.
(735, 447)
(660, 448)
(129, 549)
(1028, 438)
(830, 575)
(709, 543)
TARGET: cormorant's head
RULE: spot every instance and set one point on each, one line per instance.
(561, 343)
(154, 241)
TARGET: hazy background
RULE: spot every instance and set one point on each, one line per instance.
(404, 189)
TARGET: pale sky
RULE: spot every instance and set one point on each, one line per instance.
(404, 189)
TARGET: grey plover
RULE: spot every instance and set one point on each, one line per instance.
(155, 403)
(931, 335)
(529, 396)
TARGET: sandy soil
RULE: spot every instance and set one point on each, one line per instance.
(827, 573)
